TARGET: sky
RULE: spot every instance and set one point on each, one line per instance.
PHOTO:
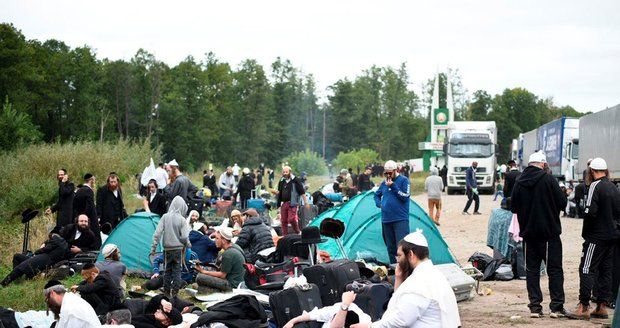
(567, 50)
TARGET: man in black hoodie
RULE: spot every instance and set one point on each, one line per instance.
(600, 232)
(537, 200)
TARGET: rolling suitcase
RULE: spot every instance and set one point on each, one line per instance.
(331, 278)
(256, 203)
(371, 297)
(461, 283)
(289, 303)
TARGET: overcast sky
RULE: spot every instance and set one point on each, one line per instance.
(568, 50)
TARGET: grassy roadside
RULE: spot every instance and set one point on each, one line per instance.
(26, 295)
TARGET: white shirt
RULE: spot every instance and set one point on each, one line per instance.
(77, 234)
(235, 170)
(161, 176)
(227, 181)
(115, 192)
(76, 313)
(414, 311)
(326, 314)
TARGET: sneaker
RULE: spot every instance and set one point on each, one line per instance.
(536, 314)
(562, 313)
(465, 213)
(477, 213)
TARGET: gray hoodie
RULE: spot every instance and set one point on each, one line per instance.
(173, 229)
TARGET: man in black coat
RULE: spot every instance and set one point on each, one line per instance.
(443, 173)
(64, 204)
(364, 181)
(84, 203)
(510, 178)
(155, 201)
(537, 200)
(79, 236)
(245, 187)
(98, 289)
(110, 206)
(50, 253)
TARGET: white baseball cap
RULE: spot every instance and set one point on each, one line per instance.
(416, 238)
(598, 164)
(390, 165)
(538, 157)
(108, 250)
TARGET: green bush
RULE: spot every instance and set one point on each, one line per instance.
(16, 128)
(355, 158)
(29, 179)
(307, 161)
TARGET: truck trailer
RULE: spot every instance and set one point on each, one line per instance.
(599, 134)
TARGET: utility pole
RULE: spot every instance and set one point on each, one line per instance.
(324, 123)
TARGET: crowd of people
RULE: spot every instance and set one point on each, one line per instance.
(214, 258)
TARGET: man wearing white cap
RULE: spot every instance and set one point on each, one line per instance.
(113, 265)
(392, 198)
(180, 185)
(600, 234)
(537, 200)
(422, 295)
(231, 270)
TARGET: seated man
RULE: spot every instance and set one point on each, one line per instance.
(187, 273)
(50, 253)
(159, 313)
(79, 236)
(254, 236)
(98, 289)
(113, 265)
(422, 295)
(343, 314)
(202, 244)
(70, 309)
(231, 272)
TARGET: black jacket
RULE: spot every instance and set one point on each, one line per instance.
(110, 208)
(285, 190)
(509, 181)
(364, 183)
(104, 287)
(56, 248)
(64, 204)
(158, 204)
(245, 186)
(84, 203)
(602, 213)
(254, 237)
(240, 311)
(537, 200)
(87, 241)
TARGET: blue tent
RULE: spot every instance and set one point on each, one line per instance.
(134, 236)
(363, 235)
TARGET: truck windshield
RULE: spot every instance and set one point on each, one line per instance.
(470, 150)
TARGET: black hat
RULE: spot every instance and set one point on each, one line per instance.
(332, 228)
(351, 319)
(364, 271)
(28, 215)
(311, 235)
(87, 176)
(52, 283)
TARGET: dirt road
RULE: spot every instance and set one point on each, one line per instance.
(468, 234)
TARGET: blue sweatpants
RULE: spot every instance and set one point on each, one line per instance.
(393, 233)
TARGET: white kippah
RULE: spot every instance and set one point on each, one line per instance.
(416, 238)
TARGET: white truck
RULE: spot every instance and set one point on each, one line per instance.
(599, 134)
(559, 140)
(467, 142)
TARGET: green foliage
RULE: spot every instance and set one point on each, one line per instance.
(479, 108)
(356, 159)
(31, 181)
(16, 128)
(306, 161)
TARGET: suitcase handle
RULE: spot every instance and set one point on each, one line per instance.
(253, 193)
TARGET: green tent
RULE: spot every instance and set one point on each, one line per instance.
(363, 230)
(134, 236)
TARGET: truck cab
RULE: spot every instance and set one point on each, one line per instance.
(469, 142)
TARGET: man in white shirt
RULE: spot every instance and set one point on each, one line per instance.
(422, 295)
(342, 314)
(227, 183)
(161, 176)
(71, 310)
(235, 170)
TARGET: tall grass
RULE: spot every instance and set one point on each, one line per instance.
(29, 181)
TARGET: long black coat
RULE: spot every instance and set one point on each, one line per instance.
(84, 203)
(158, 204)
(64, 204)
(110, 208)
(86, 242)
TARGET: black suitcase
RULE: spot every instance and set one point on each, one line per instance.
(371, 297)
(332, 278)
(289, 303)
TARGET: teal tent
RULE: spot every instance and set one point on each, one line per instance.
(134, 236)
(363, 230)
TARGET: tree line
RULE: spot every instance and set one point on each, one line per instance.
(207, 110)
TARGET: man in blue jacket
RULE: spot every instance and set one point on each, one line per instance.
(393, 199)
(472, 189)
